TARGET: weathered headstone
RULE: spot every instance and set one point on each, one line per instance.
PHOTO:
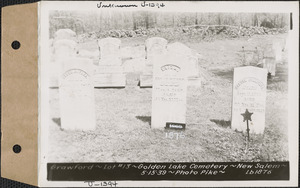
(169, 91)
(192, 62)
(110, 51)
(76, 91)
(109, 72)
(154, 46)
(63, 48)
(65, 34)
(249, 92)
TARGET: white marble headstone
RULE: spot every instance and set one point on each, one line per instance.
(110, 51)
(65, 34)
(169, 90)
(64, 48)
(192, 63)
(249, 92)
(155, 46)
(76, 92)
(109, 72)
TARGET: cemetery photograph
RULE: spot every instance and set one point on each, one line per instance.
(155, 86)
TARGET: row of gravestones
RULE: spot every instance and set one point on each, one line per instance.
(156, 47)
(109, 71)
(170, 81)
(169, 95)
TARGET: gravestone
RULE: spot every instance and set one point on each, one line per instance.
(109, 72)
(63, 48)
(154, 46)
(110, 51)
(249, 92)
(76, 92)
(192, 62)
(65, 34)
(169, 91)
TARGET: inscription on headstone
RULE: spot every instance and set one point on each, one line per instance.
(249, 92)
(169, 90)
(76, 91)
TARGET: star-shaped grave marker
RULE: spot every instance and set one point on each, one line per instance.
(247, 117)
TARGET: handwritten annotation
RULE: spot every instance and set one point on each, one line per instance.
(143, 4)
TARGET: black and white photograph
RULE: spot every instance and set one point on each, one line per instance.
(143, 84)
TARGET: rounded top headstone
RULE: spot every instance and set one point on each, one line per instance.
(156, 40)
(179, 48)
(109, 40)
(65, 34)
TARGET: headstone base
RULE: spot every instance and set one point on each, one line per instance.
(146, 81)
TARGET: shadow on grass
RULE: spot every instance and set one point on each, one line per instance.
(57, 121)
(225, 74)
(146, 119)
(221, 123)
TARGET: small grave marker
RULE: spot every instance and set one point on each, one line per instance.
(247, 117)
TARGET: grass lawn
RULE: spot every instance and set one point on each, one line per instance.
(123, 132)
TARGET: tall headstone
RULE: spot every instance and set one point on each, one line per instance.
(192, 62)
(169, 91)
(109, 72)
(154, 46)
(249, 92)
(76, 92)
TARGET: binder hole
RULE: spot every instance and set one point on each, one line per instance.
(17, 148)
(15, 45)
